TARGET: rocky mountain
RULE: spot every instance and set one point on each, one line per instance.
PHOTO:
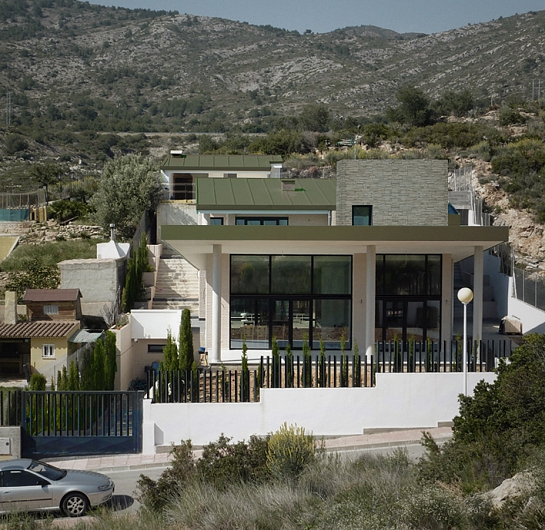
(70, 64)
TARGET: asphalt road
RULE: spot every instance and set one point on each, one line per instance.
(125, 484)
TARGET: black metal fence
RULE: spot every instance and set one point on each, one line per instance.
(74, 423)
(10, 408)
(234, 385)
(427, 356)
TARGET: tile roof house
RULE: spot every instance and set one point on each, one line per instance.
(42, 340)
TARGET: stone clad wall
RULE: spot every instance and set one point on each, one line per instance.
(401, 192)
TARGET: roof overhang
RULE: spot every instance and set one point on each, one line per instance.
(301, 211)
(195, 243)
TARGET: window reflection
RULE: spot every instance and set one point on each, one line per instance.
(310, 297)
(330, 320)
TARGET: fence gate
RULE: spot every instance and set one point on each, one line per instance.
(80, 423)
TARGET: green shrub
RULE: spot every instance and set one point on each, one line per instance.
(221, 466)
(35, 276)
(37, 381)
(223, 463)
(434, 508)
(290, 451)
(156, 494)
(510, 116)
(63, 210)
(497, 429)
(15, 143)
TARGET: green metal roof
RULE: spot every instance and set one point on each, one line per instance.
(216, 194)
(218, 162)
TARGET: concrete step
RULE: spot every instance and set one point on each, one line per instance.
(177, 285)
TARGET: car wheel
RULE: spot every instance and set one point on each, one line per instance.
(74, 505)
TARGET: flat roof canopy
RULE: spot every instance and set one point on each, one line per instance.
(196, 242)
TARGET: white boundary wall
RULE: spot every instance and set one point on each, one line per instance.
(533, 319)
(397, 401)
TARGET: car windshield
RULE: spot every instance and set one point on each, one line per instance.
(47, 471)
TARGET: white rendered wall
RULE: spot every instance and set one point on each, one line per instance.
(155, 324)
(533, 319)
(176, 213)
(398, 401)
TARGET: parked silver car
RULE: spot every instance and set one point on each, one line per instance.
(30, 486)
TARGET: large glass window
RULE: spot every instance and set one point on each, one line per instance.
(408, 297)
(331, 320)
(332, 275)
(249, 322)
(309, 298)
(249, 274)
(291, 274)
(409, 275)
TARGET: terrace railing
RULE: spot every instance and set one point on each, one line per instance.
(234, 385)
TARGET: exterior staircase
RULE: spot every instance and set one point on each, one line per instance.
(177, 285)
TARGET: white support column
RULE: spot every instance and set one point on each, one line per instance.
(478, 282)
(370, 292)
(447, 289)
(358, 300)
(215, 351)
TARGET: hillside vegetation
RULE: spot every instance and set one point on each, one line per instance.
(72, 66)
(83, 84)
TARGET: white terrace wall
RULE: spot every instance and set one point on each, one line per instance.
(397, 401)
(532, 318)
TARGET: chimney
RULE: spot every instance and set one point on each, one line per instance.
(10, 307)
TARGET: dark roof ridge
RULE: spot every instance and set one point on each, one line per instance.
(52, 295)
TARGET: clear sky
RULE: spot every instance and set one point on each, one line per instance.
(320, 16)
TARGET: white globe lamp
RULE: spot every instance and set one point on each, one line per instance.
(465, 295)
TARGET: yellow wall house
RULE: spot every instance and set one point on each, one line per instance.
(40, 343)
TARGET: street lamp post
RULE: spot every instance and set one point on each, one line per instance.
(465, 295)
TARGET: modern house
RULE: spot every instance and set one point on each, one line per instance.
(364, 257)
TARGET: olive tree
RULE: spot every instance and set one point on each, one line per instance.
(414, 107)
(128, 187)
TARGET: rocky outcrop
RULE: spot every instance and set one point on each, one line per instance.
(510, 489)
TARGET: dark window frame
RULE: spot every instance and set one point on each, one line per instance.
(424, 297)
(311, 297)
(369, 216)
(261, 219)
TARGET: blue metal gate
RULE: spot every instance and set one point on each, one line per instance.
(80, 423)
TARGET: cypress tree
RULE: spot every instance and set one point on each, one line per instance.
(73, 377)
(170, 355)
(87, 376)
(99, 364)
(245, 376)
(185, 358)
(110, 361)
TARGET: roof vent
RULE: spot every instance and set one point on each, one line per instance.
(288, 185)
(177, 152)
